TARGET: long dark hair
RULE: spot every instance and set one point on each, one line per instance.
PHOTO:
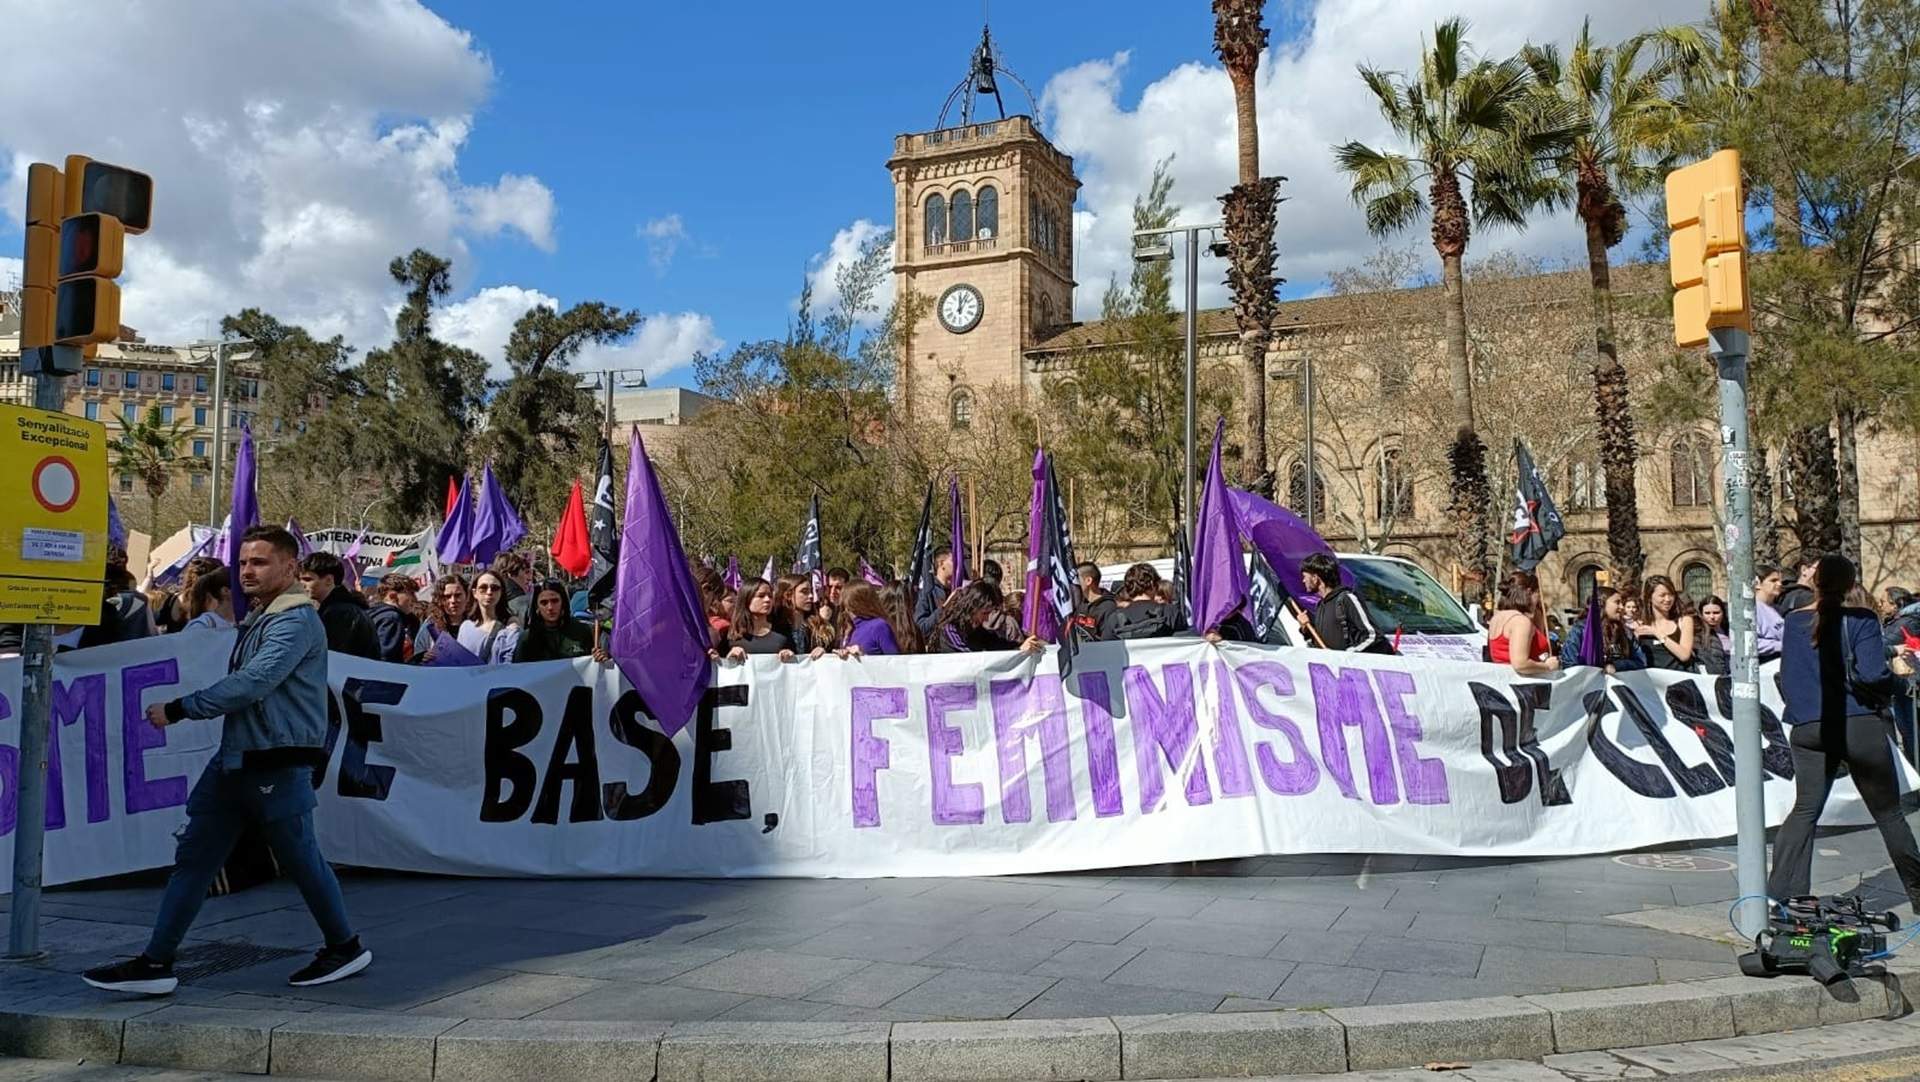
(1832, 579)
(1682, 603)
(550, 586)
(1520, 592)
(498, 612)
(963, 611)
(437, 612)
(207, 588)
(897, 601)
(742, 625)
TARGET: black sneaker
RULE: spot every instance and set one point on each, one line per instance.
(139, 974)
(333, 964)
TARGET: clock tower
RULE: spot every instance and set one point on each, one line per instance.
(983, 242)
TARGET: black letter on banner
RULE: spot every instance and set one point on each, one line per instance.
(357, 779)
(716, 801)
(663, 759)
(1643, 778)
(503, 764)
(1694, 780)
(1775, 754)
(1518, 736)
(576, 734)
(1689, 707)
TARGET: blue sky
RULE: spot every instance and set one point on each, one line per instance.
(299, 145)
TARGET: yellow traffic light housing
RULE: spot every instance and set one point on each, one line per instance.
(91, 245)
(98, 188)
(87, 310)
(1706, 254)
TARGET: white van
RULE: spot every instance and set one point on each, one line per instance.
(1402, 598)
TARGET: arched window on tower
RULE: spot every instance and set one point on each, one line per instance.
(936, 219)
(960, 409)
(1033, 221)
(986, 213)
(1393, 489)
(1584, 582)
(1696, 581)
(1691, 464)
(962, 211)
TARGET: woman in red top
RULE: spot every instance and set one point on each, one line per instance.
(1516, 635)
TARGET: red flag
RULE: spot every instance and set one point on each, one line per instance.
(571, 550)
(1912, 641)
(453, 493)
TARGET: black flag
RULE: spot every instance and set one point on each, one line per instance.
(920, 568)
(1264, 597)
(1057, 546)
(603, 532)
(809, 562)
(1537, 525)
(1182, 580)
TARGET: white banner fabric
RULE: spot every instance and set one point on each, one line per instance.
(1149, 752)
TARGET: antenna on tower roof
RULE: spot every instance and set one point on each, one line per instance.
(982, 79)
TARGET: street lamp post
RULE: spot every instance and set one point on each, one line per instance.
(1151, 246)
(222, 353)
(605, 380)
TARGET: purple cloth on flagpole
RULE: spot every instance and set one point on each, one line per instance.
(116, 529)
(244, 513)
(957, 535)
(455, 541)
(1284, 539)
(1219, 582)
(870, 576)
(1036, 615)
(300, 541)
(447, 650)
(732, 577)
(1593, 633)
(496, 526)
(354, 549)
(660, 632)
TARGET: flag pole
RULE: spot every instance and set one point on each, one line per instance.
(1311, 631)
(973, 522)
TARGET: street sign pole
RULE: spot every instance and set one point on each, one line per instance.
(36, 713)
(1728, 347)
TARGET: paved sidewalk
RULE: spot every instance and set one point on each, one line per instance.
(1306, 931)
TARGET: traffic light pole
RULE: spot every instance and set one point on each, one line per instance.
(1728, 346)
(36, 701)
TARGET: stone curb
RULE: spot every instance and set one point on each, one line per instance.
(409, 1048)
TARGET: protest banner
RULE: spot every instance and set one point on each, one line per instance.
(1150, 752)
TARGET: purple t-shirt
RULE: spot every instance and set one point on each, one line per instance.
(873, 636)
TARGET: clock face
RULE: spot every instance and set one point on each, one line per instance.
(960, 309)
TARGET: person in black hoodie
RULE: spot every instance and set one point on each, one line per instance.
(1139, 614)
(1341, 620)
(393, 619)
(1093, 603)
(342, 612)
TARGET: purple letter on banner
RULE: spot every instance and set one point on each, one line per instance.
(953, 805)
(85, 701)
(1343, 700)
(1229, 750)
(9, 776)
(1020, 707)
(870, 753)
(1168, 725)
(137, 738)
(1425, 779)
(1103, 762)
(1300, 773)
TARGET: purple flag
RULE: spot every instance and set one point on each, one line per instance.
(957, 537)
(1219, 572)
(354, 549)
(243, 515)
(1284, 539)
(455, 542)
(1036, 613)
(496, 525)
(732, 577)
(116, 529)
(299, 539)
(447, 650)
(1593, 633)
(870, 576)
(660, 633)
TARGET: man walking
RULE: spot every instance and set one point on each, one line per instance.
(274, 701)
(1340, 620)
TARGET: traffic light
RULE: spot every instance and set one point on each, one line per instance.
(98, 188)
(40, 276)
(1706, 254)
(76, 228)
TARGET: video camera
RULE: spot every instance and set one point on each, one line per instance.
(1828, 939)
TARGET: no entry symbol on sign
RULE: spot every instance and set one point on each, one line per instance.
(56, 484)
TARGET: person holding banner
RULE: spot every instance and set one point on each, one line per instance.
(452, 605)
(552, 633)
(1140, 613)
(965, 623)
(1517, 635)
(274, 704)
(870, 632)
(1340, 621)
(490, 633)
(752, 630)
(897, 602)
(1619, 650)
(1666, 635)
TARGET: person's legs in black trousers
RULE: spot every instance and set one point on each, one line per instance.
(1813, 773)
(1870, 757)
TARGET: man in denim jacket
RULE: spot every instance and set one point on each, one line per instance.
(274, 701)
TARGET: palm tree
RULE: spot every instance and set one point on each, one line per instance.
(1631, 131)
(1240, 37)
(1480, 138)
(151, 449)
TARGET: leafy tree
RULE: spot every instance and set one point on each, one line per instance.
(542, 428)
(311, 399)
(1479, 138)
(152, 450)
(424, 397)
(1240, 38)
(1629, 130)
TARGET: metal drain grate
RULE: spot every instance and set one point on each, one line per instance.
(211, 959)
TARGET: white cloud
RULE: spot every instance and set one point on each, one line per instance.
(296, 148)
(823, 272)
(483, 322)
(664, 236)
(1310, 99)
(10, 271)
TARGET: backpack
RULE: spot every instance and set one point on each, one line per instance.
(1140, 620)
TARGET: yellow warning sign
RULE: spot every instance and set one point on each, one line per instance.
(53, 517)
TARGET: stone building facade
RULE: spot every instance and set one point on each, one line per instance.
(1379, 360)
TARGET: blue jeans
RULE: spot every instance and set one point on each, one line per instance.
(222, 805)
